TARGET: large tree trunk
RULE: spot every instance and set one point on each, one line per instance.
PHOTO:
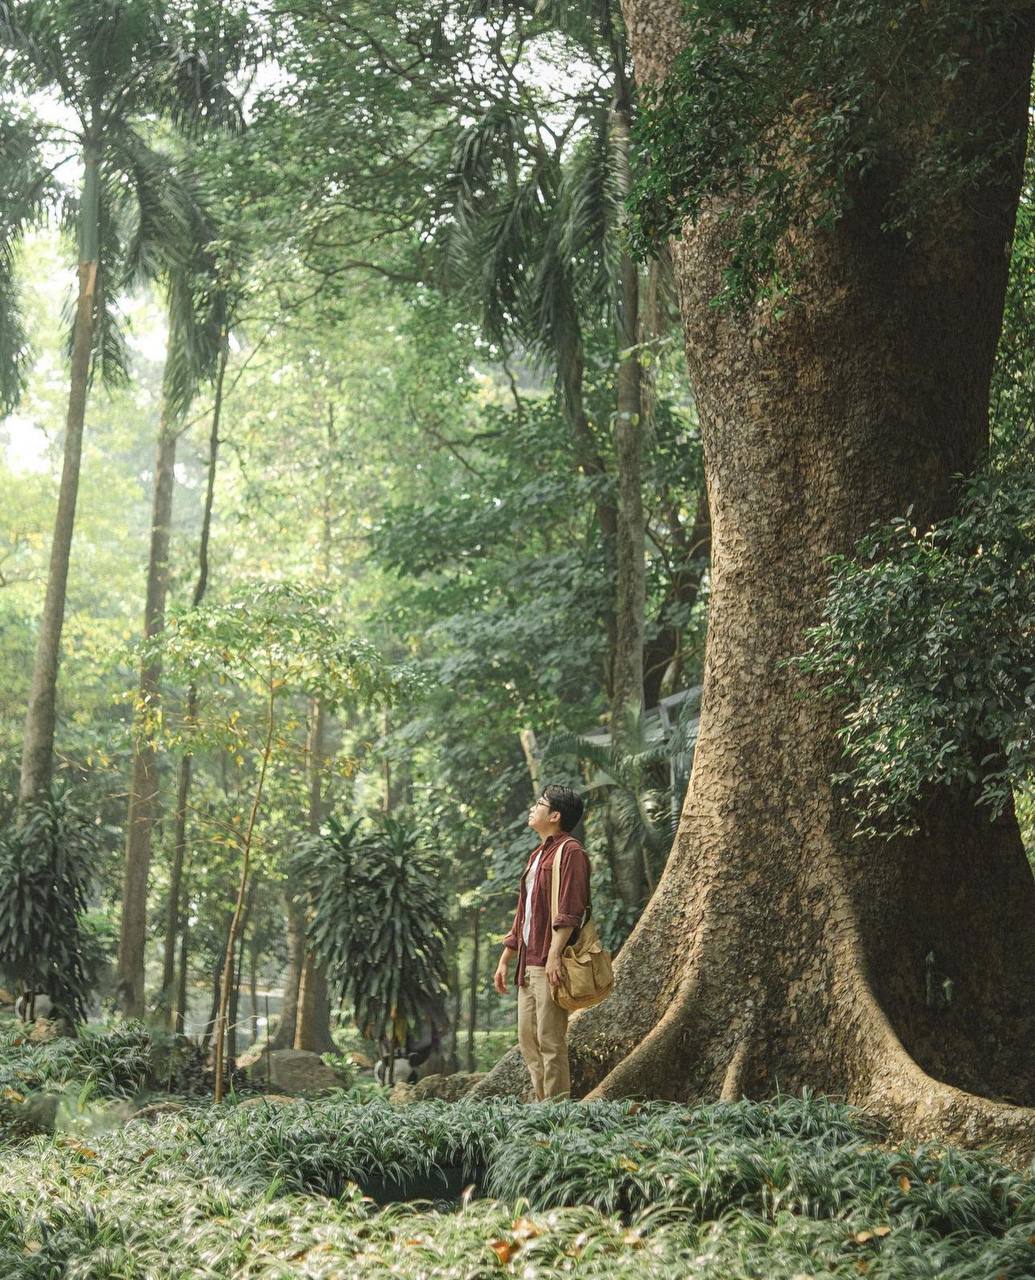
(143, 792)
(778, 949)
(41, 714)
(630, 559)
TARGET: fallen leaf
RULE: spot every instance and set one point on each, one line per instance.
(633, 1238)
(504, 1249)
(630, 1166)
(32, 1246)
(904, 1185)
(525, 1229)
(861, 1237)
(882, 1231)
(73, 1144)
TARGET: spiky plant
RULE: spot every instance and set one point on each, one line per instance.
(377, 924)
(46, 866)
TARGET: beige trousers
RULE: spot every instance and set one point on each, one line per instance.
(543, 1036)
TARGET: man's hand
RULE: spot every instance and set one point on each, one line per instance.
(554, 969)
(499, 978)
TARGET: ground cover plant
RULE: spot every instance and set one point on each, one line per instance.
(126, 1061)
(799, 1187)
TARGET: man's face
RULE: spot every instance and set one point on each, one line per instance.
(542, 819)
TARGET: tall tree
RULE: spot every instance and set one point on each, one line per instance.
(540, 212)
(856, 211)
(196, 337)
(115, 66)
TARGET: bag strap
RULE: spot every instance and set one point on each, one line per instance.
(555, 886)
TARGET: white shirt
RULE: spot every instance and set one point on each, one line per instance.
(529, 889)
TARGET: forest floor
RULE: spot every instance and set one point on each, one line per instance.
(337, 1187)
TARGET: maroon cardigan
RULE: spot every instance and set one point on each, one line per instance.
(572, 901)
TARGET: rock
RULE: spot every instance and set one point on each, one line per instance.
(446, 1088)
(7, 997)
(296, 1071)
(46, 1029)
(260, 1098)
(36, 1114)
(156, 1109)
(402, 1094)
(249, 1058)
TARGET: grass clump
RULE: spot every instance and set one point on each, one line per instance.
(117, 1061)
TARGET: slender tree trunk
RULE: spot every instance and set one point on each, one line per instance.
(179, 1020)
(295, 914)
(235, 992)
(777, 947)
(313, 1014)
(40, 719)
(570, 360)
(475, 982)
(143, 792)
(313, 1019)
(253, 990)
(217, 970)
(235, 922)
(691, 551)
(457, 992)
(172, 922)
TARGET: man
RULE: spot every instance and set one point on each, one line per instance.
(538, 939)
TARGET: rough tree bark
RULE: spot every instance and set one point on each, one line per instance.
(143, 791)
(777, 948)
(630, 559)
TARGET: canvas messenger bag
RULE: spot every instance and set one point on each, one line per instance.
(586, 976)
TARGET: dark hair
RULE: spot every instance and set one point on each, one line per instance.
(566, 802)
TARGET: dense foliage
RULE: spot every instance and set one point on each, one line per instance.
(926, 639)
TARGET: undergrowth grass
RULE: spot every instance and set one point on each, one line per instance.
(797, 1188)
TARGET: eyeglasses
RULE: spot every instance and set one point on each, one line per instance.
(539, 802)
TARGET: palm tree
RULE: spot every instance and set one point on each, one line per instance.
(26, 190)
(539, 210)
(117, 68)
